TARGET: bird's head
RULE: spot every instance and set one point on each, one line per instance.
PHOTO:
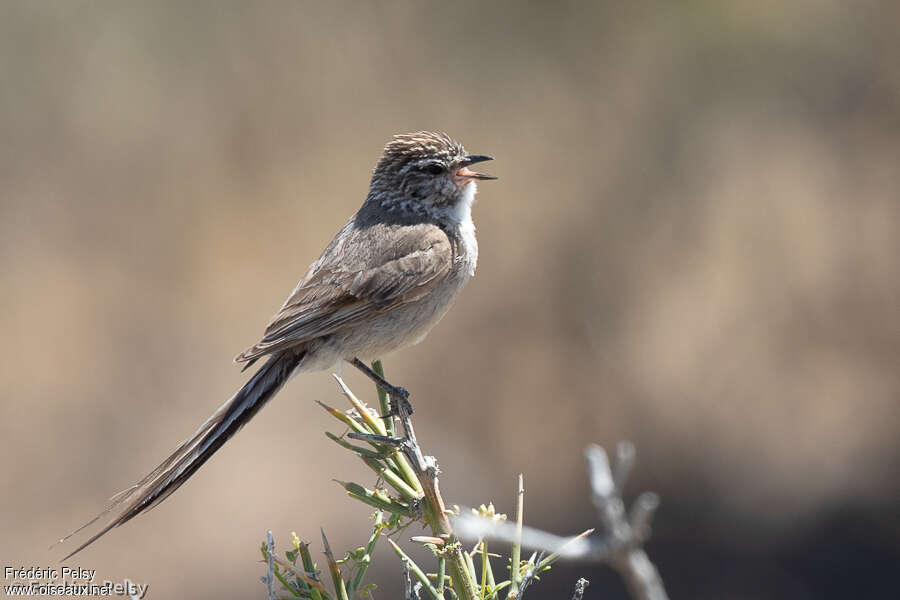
(425, 172)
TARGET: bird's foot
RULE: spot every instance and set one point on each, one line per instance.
(399, 396)
(400, 403)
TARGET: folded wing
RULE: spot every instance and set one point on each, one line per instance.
(335, 295)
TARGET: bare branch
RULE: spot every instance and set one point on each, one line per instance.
(472, 527)
(641, 514)
(626, 534)
(625, 455)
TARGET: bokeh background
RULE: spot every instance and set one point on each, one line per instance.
(693, 245)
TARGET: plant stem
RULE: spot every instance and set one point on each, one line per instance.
(419, 574)
(487, 574)
(441, 574)
(310, 567)
(340, 590)
(370, 549)
(515, 554)
(383, 400)
(436, 518)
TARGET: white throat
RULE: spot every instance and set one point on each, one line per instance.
(461, 216)
(461, 212)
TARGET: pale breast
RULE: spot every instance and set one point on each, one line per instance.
(409, 323)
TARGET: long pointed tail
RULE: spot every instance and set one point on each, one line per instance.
(190, 456)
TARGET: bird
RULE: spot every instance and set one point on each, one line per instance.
(385, 279)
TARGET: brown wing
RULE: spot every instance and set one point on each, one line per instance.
(397, 266)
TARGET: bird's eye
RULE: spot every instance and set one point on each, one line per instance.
(433, 168)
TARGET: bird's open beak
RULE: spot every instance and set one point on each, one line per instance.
(471, 159)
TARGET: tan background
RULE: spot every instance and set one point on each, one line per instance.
(693, 245)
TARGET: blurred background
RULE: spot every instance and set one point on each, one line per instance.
(694, 245)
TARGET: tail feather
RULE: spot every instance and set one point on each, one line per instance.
(196, 450)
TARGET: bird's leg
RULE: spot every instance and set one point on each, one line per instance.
(398, 395)
(400, 407)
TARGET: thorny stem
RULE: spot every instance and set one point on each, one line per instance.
(383, 399)
(340, 589)
(434, 510)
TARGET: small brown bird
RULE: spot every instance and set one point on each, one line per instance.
(381, 284)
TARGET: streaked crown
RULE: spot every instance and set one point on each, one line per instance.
(422, 144)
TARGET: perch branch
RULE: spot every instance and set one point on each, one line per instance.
(426, 471)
